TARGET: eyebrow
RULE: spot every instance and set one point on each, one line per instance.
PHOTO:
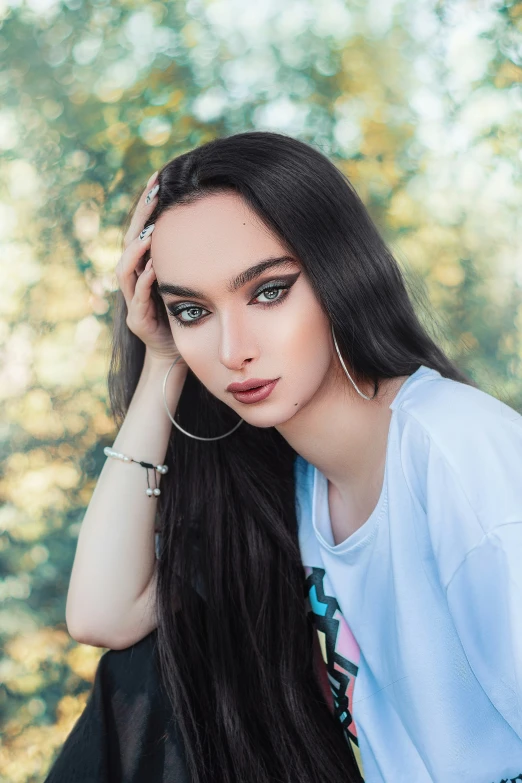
(235, 283)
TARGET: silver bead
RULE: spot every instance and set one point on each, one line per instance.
(149, 492)
(161, 469)
(157, 491)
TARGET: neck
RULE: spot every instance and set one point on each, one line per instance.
(343, 435)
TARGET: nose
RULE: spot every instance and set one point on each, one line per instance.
(237, 344)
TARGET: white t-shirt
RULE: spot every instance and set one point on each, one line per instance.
(419, 611)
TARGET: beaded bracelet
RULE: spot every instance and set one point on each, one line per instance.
(162, 469)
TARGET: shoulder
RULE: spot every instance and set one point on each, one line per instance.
(457, 418)
(455, 435)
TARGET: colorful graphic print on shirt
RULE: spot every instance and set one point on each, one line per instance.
(339, 649)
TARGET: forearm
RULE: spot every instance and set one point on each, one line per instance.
(115, 557)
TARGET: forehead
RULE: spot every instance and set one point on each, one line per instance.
(210, 239)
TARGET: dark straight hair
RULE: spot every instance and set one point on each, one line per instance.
(235, 634)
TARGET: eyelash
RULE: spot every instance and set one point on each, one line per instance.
(273, 287)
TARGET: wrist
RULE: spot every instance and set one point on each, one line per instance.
(153, 375)
(156, 363)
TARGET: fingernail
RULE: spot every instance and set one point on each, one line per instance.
(152, 178)
(151, 194)
(148, 264)
(147, 231)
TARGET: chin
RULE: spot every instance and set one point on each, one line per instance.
(267, 417)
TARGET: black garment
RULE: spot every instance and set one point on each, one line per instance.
(127, 732)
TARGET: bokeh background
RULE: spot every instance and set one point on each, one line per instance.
(418, 102)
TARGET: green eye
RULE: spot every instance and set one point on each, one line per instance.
(187, 310)
(175, 311)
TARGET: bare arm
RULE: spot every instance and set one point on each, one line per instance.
(111, 597)
(110, 602)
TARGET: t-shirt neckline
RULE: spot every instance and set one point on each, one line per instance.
(320, 508)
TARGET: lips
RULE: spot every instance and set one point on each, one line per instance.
(253, 383)
(257, 394)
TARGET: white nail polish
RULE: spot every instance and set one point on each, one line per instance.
(147, 231)
(150, 195)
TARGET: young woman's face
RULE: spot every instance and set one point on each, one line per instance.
(269, 327)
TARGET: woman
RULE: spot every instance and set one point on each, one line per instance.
(365, 501)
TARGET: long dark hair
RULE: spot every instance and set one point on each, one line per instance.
(235, 639)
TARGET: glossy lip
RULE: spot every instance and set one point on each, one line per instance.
(250, 384)
(255, 395)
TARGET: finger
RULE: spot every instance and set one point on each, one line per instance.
(140, 310)
(144, 208)
(143, 287)
(129, 264)
(151, 179)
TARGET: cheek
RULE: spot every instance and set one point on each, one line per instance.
(300, 325)
(198, 356)
(308, 354)
(313, 363)
(308, 333)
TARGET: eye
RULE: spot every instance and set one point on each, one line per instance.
(176, 311)
(273, 289)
